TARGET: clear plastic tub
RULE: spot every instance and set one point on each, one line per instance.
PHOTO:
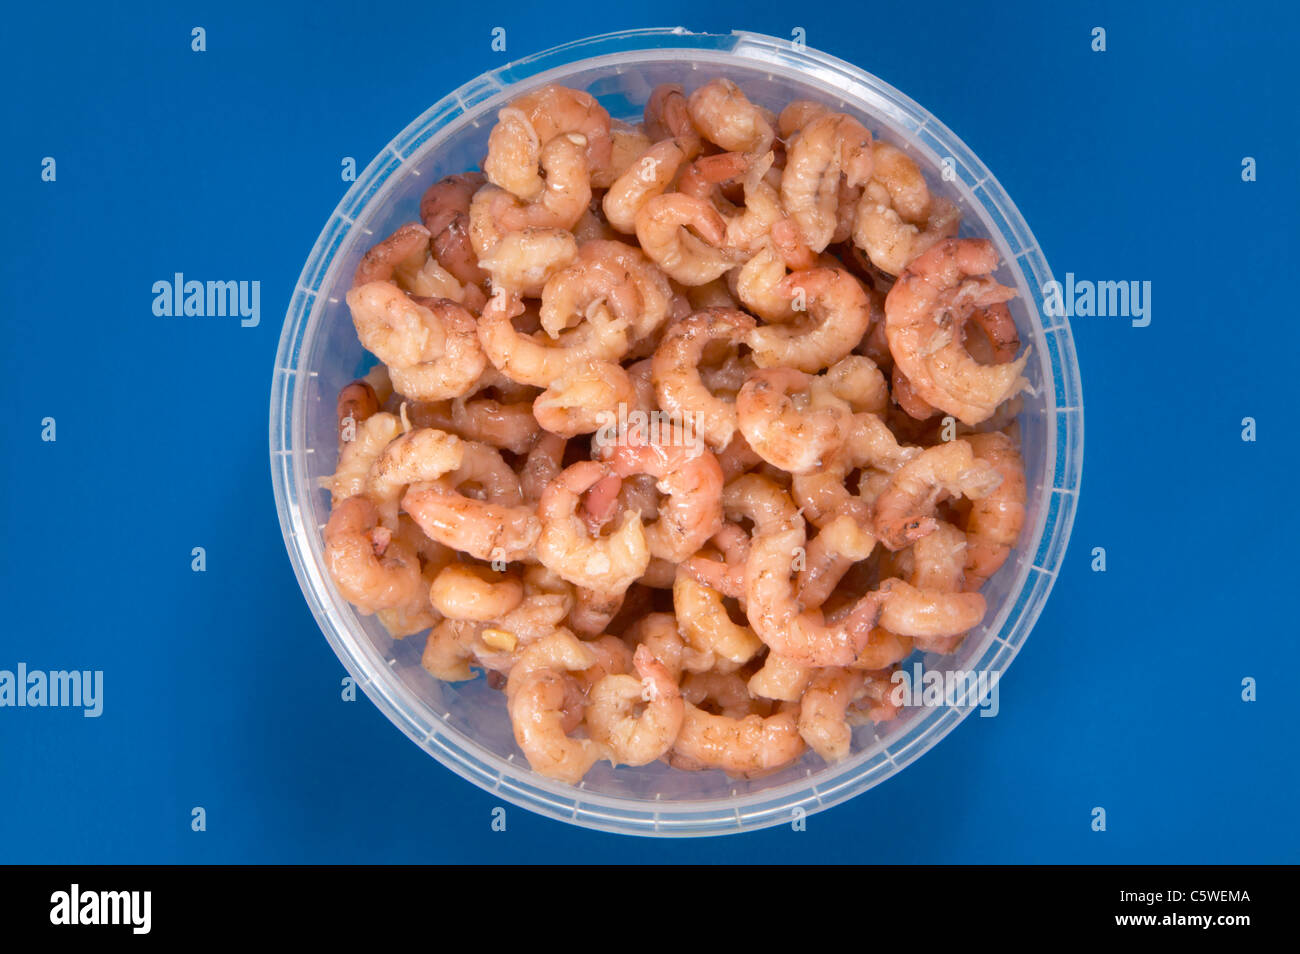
(465, 725)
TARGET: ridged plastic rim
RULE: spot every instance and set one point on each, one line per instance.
(1010, 627)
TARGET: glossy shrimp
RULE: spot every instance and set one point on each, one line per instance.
(676, 370)
(536, 692)
(373, 569)
(455, 371)
(404, 259)
(904, 510)
(785, 425)
(839, 313)
(554, 111)
(607, 563)
(995, 520)
(706, 625)
(805, 636)
(990, 337)
(740, 746)
(758, 285)
(358, 456)
(408, 246)
(924, 314)
(580, 402)
(649, 176)
(725, 116)
(685, 236)
(419, 455)
(824, 495)
(500, 528)
(780, 679)
(823, 711)
(534, 359)
(610, 275)
(633, 737)
(667, 115)
(690, 479)
(827, 148)
(444, 209)
(909, 611)
(559, 205)
(471, 591)
(397, 330)
(505, 425)
(520, 261)
(725, 570)
(897, 218)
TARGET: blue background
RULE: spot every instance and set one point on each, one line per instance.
(220, 690)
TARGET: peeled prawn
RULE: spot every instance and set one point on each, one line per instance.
(839, 314)
(373, 569)
(823, 711)
(359, 454)
(725, 116)
(785, 425)
(904, 510)
(499, 529)
(456, 370)
(393, 327)
(751, 744)
(536, 694)
(609, 563)
(419, 455)
(648, 176)
(924, 314)
(822, 151)
(995, 520)
(667, 115)
(466, 591)
(690, 480)
(612, 719)
(676, 370)
(803, 635)
(690, 257)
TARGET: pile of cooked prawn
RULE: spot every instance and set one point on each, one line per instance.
(836, 469)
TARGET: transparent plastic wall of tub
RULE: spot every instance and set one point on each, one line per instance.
(465, 725)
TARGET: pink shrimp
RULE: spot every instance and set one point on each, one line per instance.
(373, 569)
(607, 564)
(904, 510)
(691, 481)
(724, 115)
(676, 370)
(663, 227)
(804, 636)
(924, 314)
(825, 149)
(839, 314)
(753, 743)
(785, 424)
(631, 737)
(555, 111)
(995, 520)
(501, 528)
